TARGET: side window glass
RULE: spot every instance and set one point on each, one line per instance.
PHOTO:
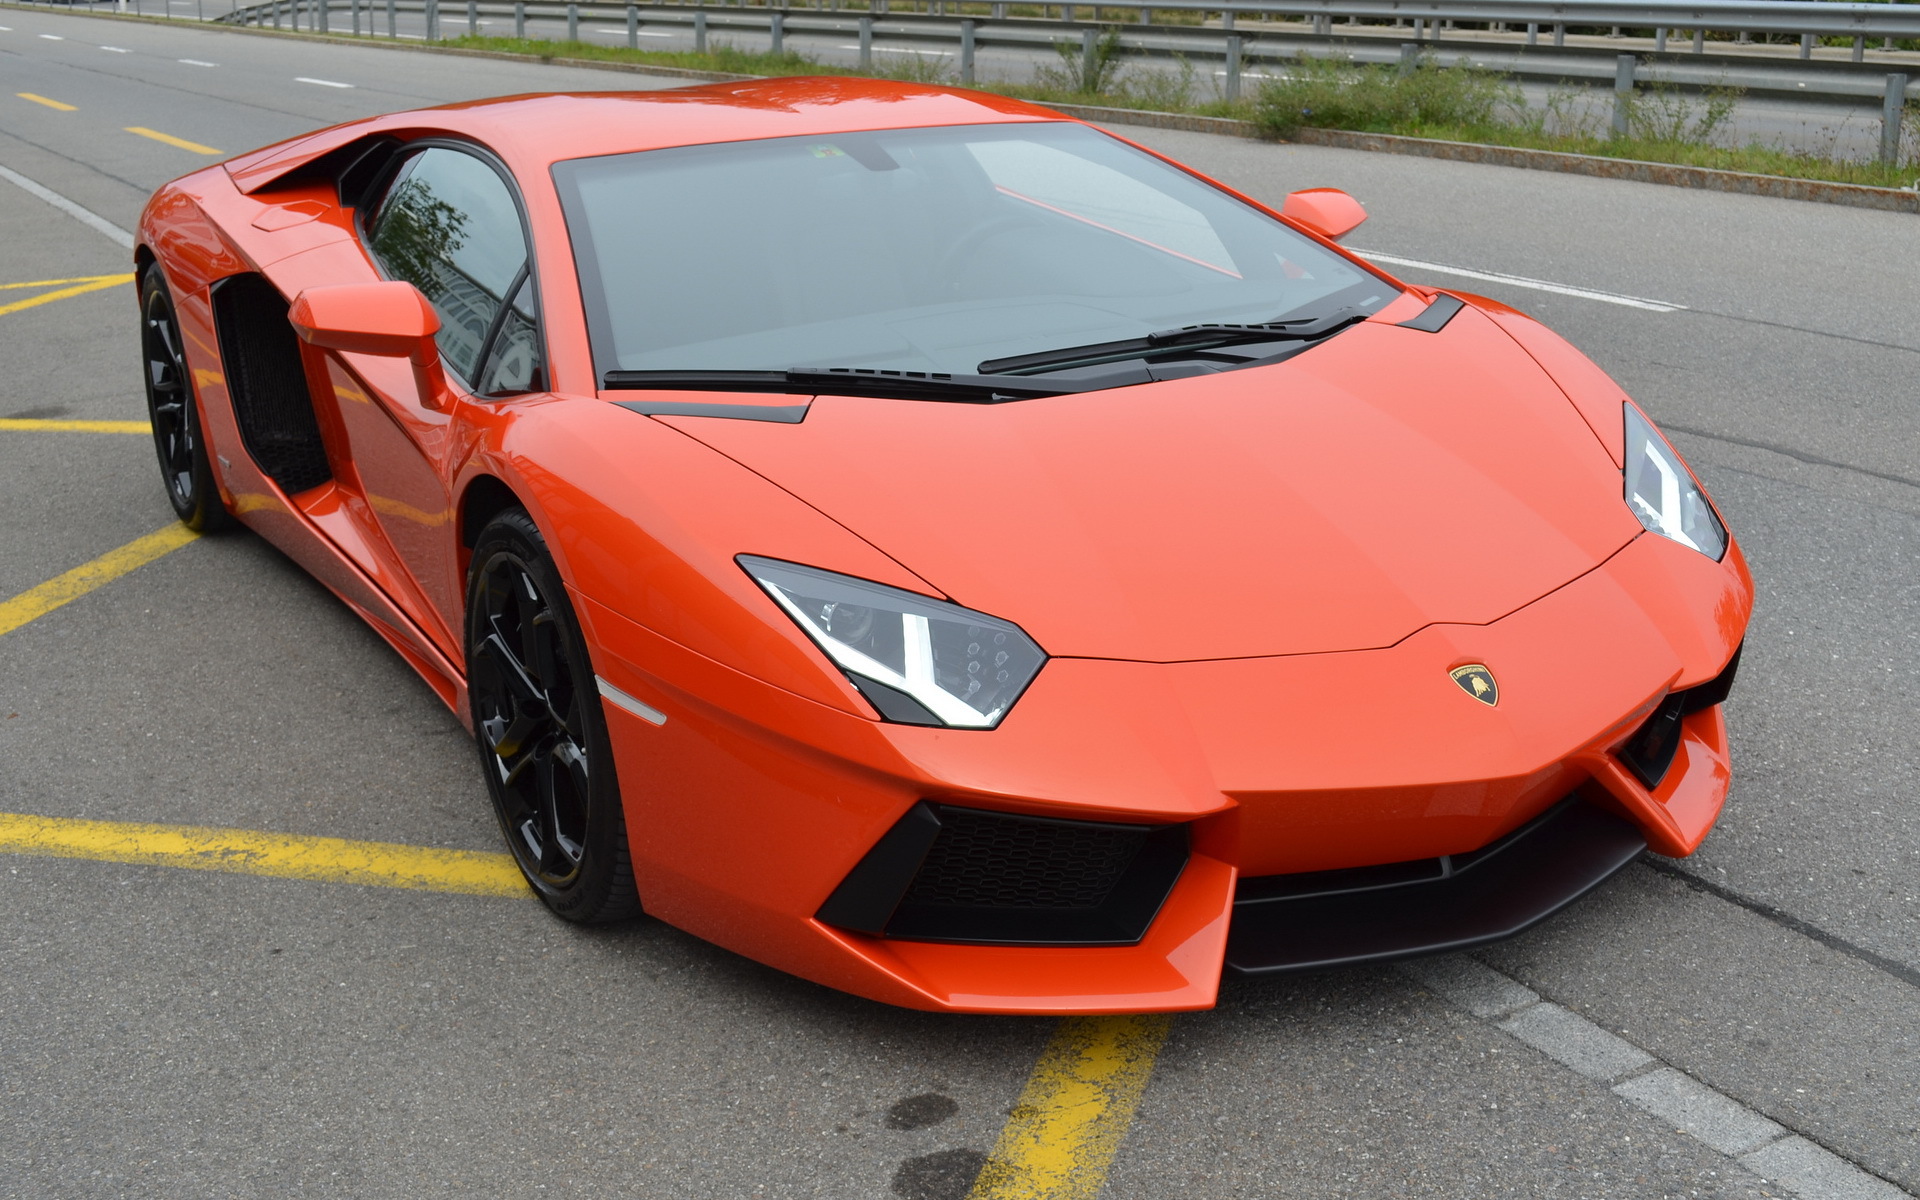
(449, 227)
(513, 365)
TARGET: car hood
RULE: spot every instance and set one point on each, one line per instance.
(1383, 481)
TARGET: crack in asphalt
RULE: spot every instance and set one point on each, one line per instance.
(1786, 920)
(1788, 452)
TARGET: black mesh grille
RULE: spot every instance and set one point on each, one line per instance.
(268, 384)
(990, 860)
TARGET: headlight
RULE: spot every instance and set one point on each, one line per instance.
(1663, 494)
(919, 661)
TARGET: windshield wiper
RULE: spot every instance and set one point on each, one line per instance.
(1187, 339)
(865, 381)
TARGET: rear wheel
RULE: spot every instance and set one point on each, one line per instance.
(174, 412)
(542, 735)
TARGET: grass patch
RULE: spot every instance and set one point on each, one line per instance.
(1463, 103)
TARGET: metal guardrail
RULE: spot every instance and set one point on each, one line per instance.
(1237, 46)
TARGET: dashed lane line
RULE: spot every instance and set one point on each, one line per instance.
(198, 62)
(1522, 281)
(56, 105)
(1703, 1113)
(64, 289)
(321, 82)
(85, 216)
(249, 852)
(171, 140)
(1075, 1110)
(37, 602)
(41, 425)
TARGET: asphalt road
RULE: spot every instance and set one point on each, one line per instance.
(167, 1032)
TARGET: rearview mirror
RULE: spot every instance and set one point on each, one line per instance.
(390, 319)
(1329, 212)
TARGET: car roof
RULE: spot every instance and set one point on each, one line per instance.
(532, 132)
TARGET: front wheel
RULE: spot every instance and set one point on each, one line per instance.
(542, 735)
(175, 413)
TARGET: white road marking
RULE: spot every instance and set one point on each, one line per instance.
(903, 50)
(320, 82)
(1711, 1117)
(116, 50)
(85, 216)
(53, 37)
(1538, 285)
(195, 62)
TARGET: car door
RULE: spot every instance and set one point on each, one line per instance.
(449, 223)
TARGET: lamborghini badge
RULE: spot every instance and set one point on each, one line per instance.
(1476, 681)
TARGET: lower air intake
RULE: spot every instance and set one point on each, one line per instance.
(948, 874)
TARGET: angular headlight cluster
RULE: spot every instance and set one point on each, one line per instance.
(919, 661)
(1663, 494)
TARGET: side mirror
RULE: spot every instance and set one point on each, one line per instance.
(390, 319)
(1329, 212)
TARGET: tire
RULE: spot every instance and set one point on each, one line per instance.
(174, 412)
(540, 729)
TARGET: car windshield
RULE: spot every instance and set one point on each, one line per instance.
(921, 250)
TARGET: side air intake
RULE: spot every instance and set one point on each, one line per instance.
(949, 874)
(268, 384)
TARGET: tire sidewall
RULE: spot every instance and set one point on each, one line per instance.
(603, 888)
(203, 510)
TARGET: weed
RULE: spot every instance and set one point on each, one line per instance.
(1342, 94)
(1085, 68)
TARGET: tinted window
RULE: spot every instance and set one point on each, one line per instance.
(449, 226)
(921, 250)
(513, 363)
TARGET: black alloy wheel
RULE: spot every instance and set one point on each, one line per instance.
(541, 732)
(174, 413)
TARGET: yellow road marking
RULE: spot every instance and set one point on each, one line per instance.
(97, 284)
(1074, 1111)
(45, 101)
(171, 140)
(8, 287)
(246, 852)
(37, 425)
(37, 602)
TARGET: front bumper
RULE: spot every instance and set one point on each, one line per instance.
(751, 807)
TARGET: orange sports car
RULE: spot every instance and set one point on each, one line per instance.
(946, 551)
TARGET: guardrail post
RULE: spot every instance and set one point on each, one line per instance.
(1409, 58)
(1622, 93)
(1890, 114)
(633, 27)
(276, 14)
(866, 42)
(700, 31)
(1533, 33)
(999, 10)
(433, 20)
(473, 17)
(1559, 36)
(777, 25)
(393, 18)
(1859, 49)
(320, 15)
(573, 22)
(1660, 40)
(1699, 41)
(1233, 66)
(1146, 16)
(520, 18)
(966, 52)
(1066, 13)
(1806, 46)
(1089, 51)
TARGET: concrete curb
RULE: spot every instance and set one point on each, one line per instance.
(1704, 178)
